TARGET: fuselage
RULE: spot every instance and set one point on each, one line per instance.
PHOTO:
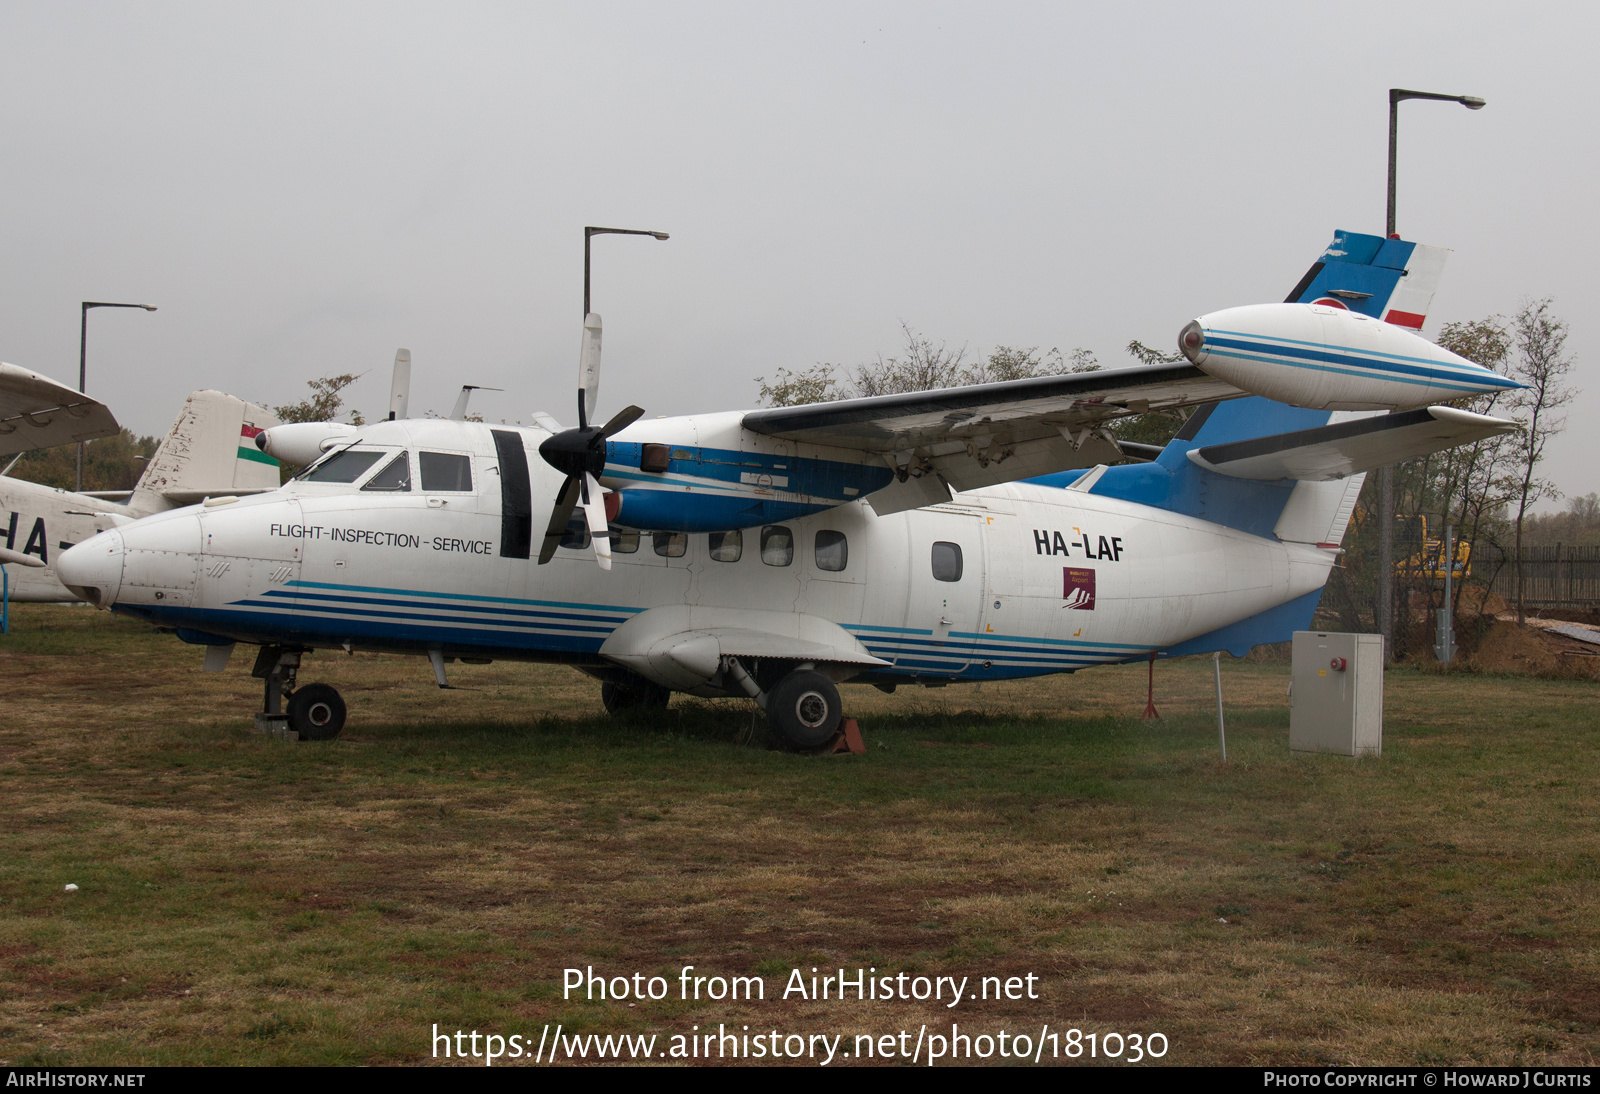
(42, 522)
(1007, 581)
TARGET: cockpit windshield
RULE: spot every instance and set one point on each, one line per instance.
(346, 466)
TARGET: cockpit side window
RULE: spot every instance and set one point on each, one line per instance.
(346, 466)
(445, 472)
(395, 476)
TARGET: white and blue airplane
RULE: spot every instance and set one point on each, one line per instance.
(967, 534)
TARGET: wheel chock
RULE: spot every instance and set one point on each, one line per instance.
(847, 739)
(276, 725)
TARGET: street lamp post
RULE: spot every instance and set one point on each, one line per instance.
(83, 361)
(590, 233)
(1386, 473)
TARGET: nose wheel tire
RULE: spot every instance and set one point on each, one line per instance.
(316, 712)
(803, 710)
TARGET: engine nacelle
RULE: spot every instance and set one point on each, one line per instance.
(1324, 358)
(301, 443)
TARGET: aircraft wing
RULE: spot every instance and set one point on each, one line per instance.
(1348, 448)
(37, 412)
(992, 433)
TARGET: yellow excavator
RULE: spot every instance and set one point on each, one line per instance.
(1417, 553)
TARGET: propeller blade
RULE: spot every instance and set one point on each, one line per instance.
(622, 419)
(594, 513)
(560, 516)
(589, 369)
(400, 384)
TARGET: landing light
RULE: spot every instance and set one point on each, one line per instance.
(1191, 340)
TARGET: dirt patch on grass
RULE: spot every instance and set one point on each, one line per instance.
(1509, 649)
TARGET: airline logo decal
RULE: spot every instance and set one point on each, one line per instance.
(1077, 588)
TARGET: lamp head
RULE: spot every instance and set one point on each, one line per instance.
(1472, 102)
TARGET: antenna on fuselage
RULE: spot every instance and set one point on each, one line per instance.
(400, 384)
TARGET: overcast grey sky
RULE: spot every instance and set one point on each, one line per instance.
(301, 188)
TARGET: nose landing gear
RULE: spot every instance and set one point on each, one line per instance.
(315, 712)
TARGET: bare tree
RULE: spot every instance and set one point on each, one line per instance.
(1147, 355)
(1542, 364)
(1470, 486)
(923, 366)
(816, 384)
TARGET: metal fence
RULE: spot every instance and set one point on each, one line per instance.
(1552, 577)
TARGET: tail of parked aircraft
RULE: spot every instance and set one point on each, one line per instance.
(210, 451)
(1389, 279)
(1293, 474)
(1275, 470)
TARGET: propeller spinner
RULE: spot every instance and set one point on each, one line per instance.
(580, 454)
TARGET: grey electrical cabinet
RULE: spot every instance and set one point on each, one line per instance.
(1336, 699)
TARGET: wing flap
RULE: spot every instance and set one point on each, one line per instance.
(1347, 448)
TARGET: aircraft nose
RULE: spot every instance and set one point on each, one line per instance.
(92, 570)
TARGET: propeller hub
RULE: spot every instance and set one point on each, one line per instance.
(576, 451)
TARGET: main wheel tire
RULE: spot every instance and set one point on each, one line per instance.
(636, 695)
(804, 710)
(316, 712)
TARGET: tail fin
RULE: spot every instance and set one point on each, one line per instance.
(210, 450)
(1389, 279)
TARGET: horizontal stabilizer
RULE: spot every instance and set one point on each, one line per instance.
(37, 412)
(1336, 451)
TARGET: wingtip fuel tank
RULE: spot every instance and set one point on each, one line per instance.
(303, 443)
(1325, 358)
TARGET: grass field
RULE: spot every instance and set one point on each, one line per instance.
(248, 900)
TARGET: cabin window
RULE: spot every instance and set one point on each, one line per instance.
(395, 476)
(946, 561)
(346, 466)
(777, 545)
(832, 552)
(726, 546)
(446, 472)
(624, 542)
(670, 544)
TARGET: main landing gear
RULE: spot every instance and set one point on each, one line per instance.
(802, 705)
(315, 712)
(804, 710)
